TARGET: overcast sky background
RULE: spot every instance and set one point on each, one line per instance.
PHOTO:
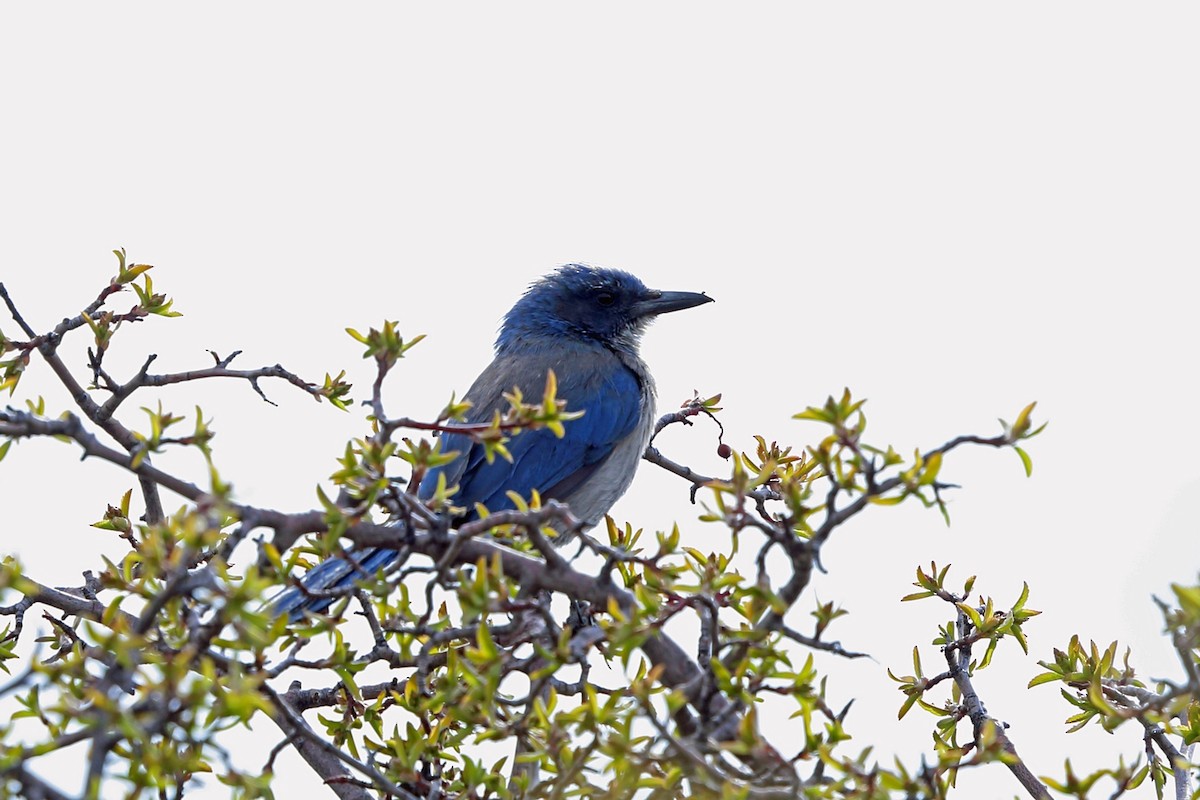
(953, 209)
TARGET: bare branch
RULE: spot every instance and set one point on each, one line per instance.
(959, 658)
(326, 760)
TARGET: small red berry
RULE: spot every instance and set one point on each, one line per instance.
(724, 450)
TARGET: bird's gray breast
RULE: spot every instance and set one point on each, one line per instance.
(593, 498)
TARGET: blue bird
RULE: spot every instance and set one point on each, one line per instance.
(585, 323)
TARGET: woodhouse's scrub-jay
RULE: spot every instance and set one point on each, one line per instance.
(584, 323)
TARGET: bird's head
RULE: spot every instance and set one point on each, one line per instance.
(590, 303)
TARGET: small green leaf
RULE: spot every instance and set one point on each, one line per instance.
(1026, 460)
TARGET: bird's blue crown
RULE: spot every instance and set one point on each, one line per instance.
(580, 302)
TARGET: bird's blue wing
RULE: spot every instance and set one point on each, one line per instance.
(611, 399)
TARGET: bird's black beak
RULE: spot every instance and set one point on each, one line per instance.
(656, 302)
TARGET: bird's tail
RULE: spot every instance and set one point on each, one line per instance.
(332, 573)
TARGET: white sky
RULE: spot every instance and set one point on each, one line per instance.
(952, 209)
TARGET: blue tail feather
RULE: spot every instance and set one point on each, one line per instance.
(332, 573)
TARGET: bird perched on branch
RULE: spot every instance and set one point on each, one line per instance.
(585, 324)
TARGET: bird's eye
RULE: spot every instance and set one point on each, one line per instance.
(606, 298)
